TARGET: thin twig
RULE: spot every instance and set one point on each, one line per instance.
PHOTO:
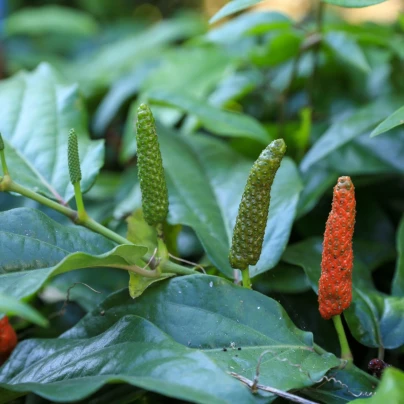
(62, 311)
(151, 258)
(280, 393)
(187, 262)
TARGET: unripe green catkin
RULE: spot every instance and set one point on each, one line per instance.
(248, 233)
(150, 169)
(73, 157)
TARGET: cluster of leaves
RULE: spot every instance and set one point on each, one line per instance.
(332, 90)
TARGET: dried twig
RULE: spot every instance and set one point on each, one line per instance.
(280, 393)
(62, 311)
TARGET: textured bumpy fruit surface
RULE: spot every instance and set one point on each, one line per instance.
(8, 339)
(335, 285)
(73, 157)
(248, 234)
(151, 171)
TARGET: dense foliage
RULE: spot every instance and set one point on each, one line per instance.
(219, 93)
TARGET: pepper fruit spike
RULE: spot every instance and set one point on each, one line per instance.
(8, 339)
(249, 231)
(150, 169)
(335, 285)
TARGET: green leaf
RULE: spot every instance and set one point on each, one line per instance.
(138, 284)
(375, 319)
(13, 307)
(118, 94)
(35, 248)
(307, 254)
(349, 383)
(398, 280)
(38, 111)
(50, 20)
(247, 24)
(232, 7)
(346, 49)
(390, 390)
(153, 343)
(394, 120)
(205, 189)
(346, 129)
(353, 3)
(219, 122)
(98, 70)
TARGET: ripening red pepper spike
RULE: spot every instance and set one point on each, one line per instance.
(8, 339)
(335, 285)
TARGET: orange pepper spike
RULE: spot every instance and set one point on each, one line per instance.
(335, 285)
(8, 339)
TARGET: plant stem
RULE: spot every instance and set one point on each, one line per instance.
(8, 185)
(345, 350)
(81, 211)
(380, 354)
(100, 229)
(11, 186)
(246, 278)
(4, 163)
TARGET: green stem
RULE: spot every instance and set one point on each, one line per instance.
(167, 267)
(11, 186)
(7, 185)
(380, 354)
(345, 350)
(246, 278)
(81, 210)
(172, 267)
(4, 162)
(100, 229)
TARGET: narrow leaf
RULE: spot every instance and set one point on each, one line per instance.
(13, 307)
(219, 122)
(394, 120)
(232, 7)
(353, 3)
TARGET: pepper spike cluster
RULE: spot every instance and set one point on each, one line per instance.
(249, 231)
(151, 171)
(335, 285)
(73, 157)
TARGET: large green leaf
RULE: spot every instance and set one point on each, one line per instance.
(395, 119)
(232, 7)
(38, 109)
(152, 344)
(375, 319)
(346, 129)
(346, 385)
(354, 3)
(346, 49)
(390, 390)
(35, 248)
(50, 20)
(219, 122)
(205, 189)
(307, 254)
(398, 280)
(13, 307)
